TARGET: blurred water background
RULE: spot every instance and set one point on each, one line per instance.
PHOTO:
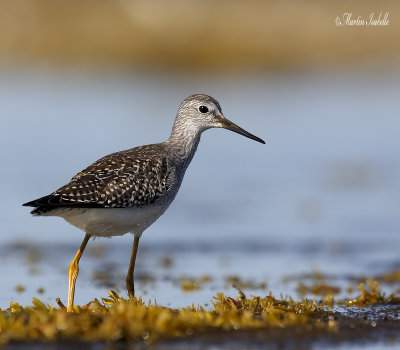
(79, 80)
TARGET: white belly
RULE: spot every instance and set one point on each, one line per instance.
(107, 222)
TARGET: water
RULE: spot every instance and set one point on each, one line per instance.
(322, 195)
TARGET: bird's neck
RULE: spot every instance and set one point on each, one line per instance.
(183, 141)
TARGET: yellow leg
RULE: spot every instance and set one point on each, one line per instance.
(73, 273)
(129, 277)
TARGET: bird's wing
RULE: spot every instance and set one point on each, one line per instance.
(124, 179)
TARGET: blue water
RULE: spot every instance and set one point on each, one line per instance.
(323, 193)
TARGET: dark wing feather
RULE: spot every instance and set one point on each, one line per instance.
(131, 178)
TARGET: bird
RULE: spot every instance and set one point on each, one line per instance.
(127, 191)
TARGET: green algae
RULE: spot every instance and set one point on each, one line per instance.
(117, 319)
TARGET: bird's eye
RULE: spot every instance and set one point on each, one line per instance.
(203, 109)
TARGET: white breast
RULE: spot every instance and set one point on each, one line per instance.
(107, 222)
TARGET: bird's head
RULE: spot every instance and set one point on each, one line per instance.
(202, 112)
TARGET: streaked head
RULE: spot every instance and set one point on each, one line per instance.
(203, 112)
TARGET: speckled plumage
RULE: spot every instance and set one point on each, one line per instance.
(132, 178)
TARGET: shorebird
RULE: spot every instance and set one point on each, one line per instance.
(127, 191)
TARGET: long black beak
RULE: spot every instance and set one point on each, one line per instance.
(227, 124)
